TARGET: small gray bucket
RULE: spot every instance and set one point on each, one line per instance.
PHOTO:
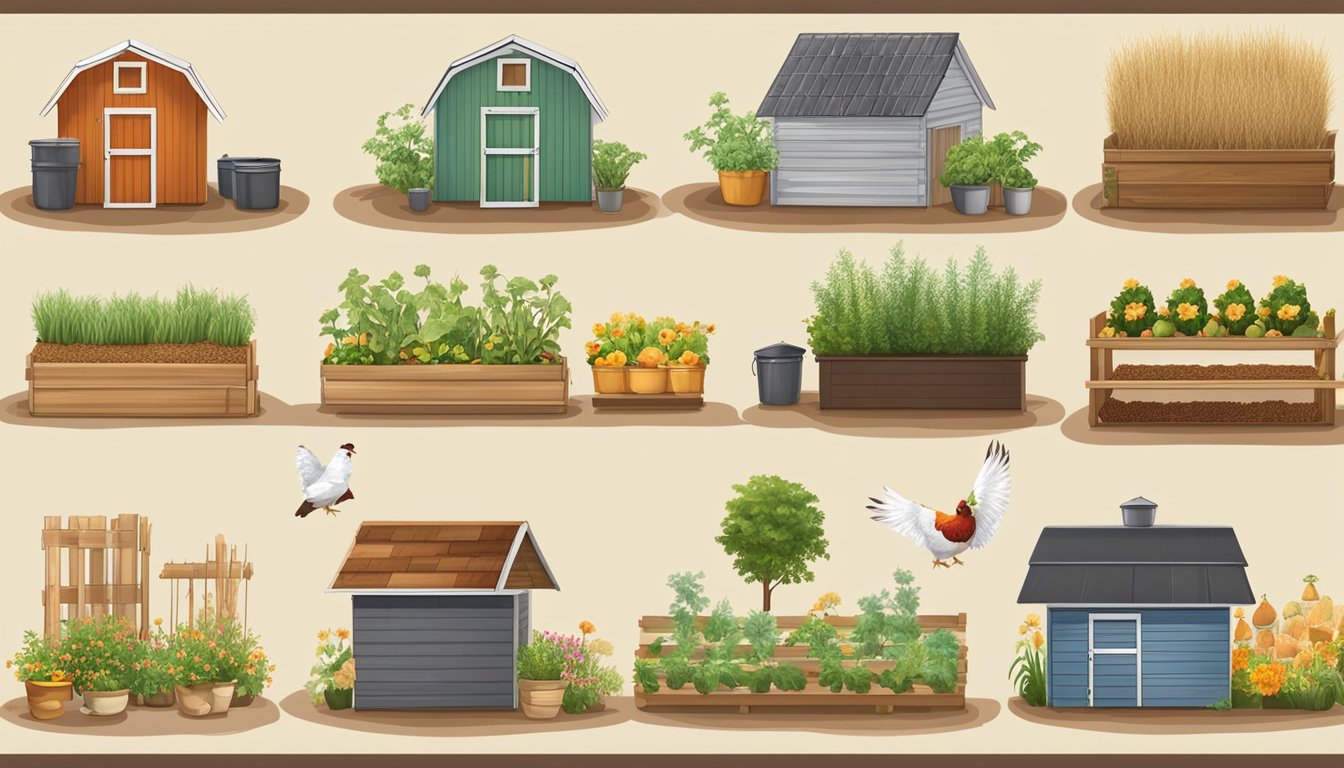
(610, 200)
(970, 200)
(256, 184)
(225, 165)
(55, 173)
(778, 369)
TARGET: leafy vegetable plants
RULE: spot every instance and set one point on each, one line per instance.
(740, 150)
(190, 356)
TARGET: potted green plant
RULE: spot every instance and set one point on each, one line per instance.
(1011, 153)
(207, 659)
(101, 652)
(612, 162)
(332, 678)
(152, 684)
(405, 155)
(629, 354)
(254, 672)
(1028, 668)
(739, 148)
(41, 667)
(968, 172)
(592, 680)
(542, 666)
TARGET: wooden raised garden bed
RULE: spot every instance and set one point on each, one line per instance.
(969, 382)
(1106, 378)
(143, 388)
(919, 699)
(446, 389)
(1218, 178)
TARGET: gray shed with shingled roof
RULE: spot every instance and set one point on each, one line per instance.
(867, 119)
(440, 609)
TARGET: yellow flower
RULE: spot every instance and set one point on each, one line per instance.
(158, 622)
(363, 339)
(1241, 659)
(1289, 311)
(345, 676)
(1037, 640)
(1187, 311)
(1107, 332)
(1235, 312)
(617, 333)
(1187, 283)
(615, 317)
(330, 348)
(1303, 659)
(710, 328)
(651, 357)
(600, 362)
(1273, 333)
(1233, 285)
(1280, 280)
(489, 345)
(600, 647)
(1131, 283)
(689, 358)
(1135, 311)
(599, 329)
(1022, 629)
(344, 634)
(617, 359)
(846, 649)
(350, 340)
(593, 347)
(667, 336)
(1033, 620)
(1163, 311)
(57, 676)
(323, 635)
(1263, 312)
(586, 627)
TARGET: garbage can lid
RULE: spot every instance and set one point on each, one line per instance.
(258, 165)
(780, 351)
(53, 142)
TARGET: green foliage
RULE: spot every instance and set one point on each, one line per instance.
(1133, 310)
(816, 633)
(405, 151)
(388, 323)
(1028, 673)
(734, 142)
(1288, 308)
(612, 162)
(977, 161)
(578, 699)
(1188, 307)
(193, 316)
(939, 668)
(721, 623)
(541, 659)
(912, 309)
(646, 675)
(762, 631)
(1236, 302)
(1221, 705)
(773, 533)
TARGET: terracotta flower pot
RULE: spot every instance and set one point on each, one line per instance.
(687, 379)
(159, 700)
(742, 187)
(339, 698)
(204, 699)
(105, 703)
(221, 697)
(46, 701)
(541, 699)
(648, 381)
(610, 380)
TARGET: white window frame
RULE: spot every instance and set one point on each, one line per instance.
(1136, 651)
(534, 151)
(116, 77)
(527, 75)
(152, 151)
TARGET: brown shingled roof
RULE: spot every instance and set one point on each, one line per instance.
(444, 556)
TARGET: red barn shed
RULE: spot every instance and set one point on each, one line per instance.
(140, 117)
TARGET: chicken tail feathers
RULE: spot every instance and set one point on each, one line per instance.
(349, 495)
(305, 508)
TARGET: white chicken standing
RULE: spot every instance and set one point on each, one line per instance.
(975, 522)
(324, 487)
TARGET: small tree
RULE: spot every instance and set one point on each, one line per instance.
(773, 532)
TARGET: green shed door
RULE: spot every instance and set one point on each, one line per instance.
(510, 154)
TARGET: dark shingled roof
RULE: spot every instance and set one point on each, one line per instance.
(1116, 565)
(860, 75)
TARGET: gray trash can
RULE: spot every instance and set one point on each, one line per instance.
(256, 184)
(225, 165)
(779, 373)
(55, 173)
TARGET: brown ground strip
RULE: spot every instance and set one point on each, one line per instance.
(200, 352)
(1130, 372)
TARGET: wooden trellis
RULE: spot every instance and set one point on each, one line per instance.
(107, 570)
(229, 575)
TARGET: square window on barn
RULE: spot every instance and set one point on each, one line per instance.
(128, 77)
(515, 74)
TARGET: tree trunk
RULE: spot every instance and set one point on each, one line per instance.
(766, 589)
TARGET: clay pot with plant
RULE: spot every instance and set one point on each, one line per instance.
(102, 654)
(206, 661)
(739, 148)
(541, 673)
(40, 667)
(405, 154)
(632, 355)
(612, 162)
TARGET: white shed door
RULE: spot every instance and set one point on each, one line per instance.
(851, 161)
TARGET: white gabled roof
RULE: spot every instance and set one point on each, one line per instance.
(154, 55)
(515, 42)
(976, 83)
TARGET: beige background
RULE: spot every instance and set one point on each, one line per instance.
(617, 510)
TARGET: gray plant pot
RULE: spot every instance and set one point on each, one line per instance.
(418, 199)
(1017, 202)
(970, 200)
(610, 200)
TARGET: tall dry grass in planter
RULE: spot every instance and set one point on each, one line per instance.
(1262, 90)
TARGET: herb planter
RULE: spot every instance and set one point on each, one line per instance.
(1218, 178)
(743, 187)
(1105, 379)
(920, 698)
(149, 388)
(971, 382)
(446, 389)
(46, 700)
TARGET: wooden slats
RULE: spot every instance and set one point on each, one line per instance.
(446, 388)
(105, 569)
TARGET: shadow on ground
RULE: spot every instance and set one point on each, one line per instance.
(861, 721)
(452, 723)
(1175, 722)
(217, 215)
(144, 721)
(807, 414)
(1088, 204)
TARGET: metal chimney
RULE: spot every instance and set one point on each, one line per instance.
(1138, 512)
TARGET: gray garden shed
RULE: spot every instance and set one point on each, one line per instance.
(439, 612)
(867, 119)
(1137, 615)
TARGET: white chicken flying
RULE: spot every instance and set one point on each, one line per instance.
(324, 487)
(974, 523)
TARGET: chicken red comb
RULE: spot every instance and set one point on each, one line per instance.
(348, 447)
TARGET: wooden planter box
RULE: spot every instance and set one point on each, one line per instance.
(1218, 178)
(919, 699)
(181, 390)
(934, 381)
(1102, 383)
(446, 389)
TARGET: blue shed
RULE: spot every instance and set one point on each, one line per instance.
(1137, 615)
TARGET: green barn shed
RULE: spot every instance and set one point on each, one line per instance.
(513, 127)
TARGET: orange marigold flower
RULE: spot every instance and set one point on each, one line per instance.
(586, 627)
(1241, 659)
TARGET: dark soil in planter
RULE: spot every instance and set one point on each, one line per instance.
(201, 352)
(1269, 411)
(1130, 372)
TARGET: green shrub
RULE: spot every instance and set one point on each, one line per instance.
(1188, 308)
(405, 152)
(193, 316)
(969, 162)
(612, 162)
(544, 657)
(1285, 308)
(911, 309)
(1236, 308)
(1133, 310)
(734, 142)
